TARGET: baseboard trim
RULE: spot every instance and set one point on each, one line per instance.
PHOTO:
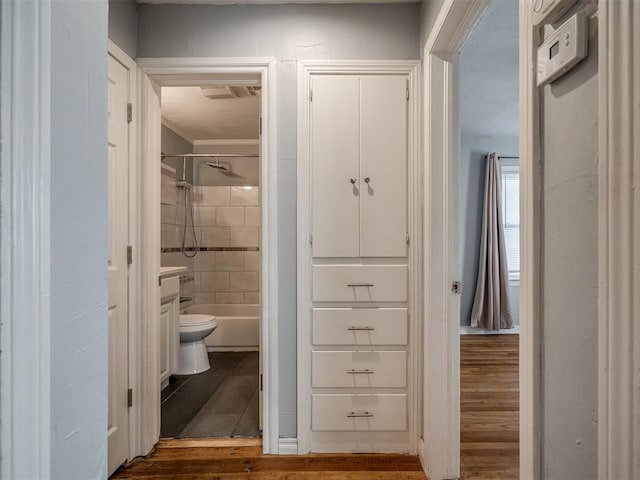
(421, 456)
(467, 330)
(287, 446)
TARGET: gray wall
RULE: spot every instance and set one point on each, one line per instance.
(289, 33)
(123, 25)
(171, 142)
(428, 14)
(79, 239)
(569, 283)
(472, 175)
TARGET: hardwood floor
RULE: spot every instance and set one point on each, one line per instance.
(489, 407)
(231, 459)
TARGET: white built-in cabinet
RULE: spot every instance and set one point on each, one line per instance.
(359, 166)
(359, 327)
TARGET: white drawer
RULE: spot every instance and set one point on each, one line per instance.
(169, 286)
(359, 412)
(359, 326)
(359, 283)
(359, 369)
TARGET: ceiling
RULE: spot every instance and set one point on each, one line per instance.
(489, 74)
(195, 117)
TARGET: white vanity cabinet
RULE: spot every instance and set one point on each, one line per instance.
(359, 329)
(169, 322)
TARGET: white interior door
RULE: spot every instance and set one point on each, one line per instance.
(383, 166)
(118, 220)
(335, 126)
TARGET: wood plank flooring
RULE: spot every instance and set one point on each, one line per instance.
(231, 459)
(489, 407)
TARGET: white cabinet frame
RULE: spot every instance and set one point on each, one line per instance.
(410, 68)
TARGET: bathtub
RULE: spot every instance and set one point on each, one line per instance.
(238, 326)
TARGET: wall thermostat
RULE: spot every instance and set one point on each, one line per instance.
(564, 48)
(548, 11)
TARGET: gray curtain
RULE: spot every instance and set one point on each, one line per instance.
(491, 306)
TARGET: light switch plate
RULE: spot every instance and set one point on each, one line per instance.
(548, 11)
(564, 49)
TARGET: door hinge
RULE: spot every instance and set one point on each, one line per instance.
(407, 89)
(260, 382)
(311, 238)
(311, 94)
(456, 287)
(129, 112)
(130, 397)
(408, 240)
(260, 127)
(129, 254)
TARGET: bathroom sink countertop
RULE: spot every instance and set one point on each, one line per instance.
(169, 271)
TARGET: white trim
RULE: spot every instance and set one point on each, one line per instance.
(441, 427)
(306, 68)
(467, 330)
(288, 446)
(134, 294)
(240, 142)
(172, 71)
(25, 240)
(530, 245)
(619, 240)
(175, 129)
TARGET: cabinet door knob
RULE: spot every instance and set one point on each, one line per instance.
(353, 181)
(367, 179)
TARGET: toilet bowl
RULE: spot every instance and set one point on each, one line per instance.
(193, 351)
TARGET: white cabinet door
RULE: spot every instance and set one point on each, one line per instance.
(165, 341)
(335, 166)
(383, 166)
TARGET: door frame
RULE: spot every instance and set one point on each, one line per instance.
(441, 449)
(133, 235)
(175, 71)
(25, 240)
(307, 68)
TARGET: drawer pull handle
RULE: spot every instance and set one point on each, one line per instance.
(353, 329)
(359, 415)
(359, 284)
(366, 371)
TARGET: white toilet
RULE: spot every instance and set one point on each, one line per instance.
(193, 351)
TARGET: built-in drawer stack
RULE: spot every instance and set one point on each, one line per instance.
(359, 338)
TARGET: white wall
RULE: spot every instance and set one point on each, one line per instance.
(289, 33)
(570, 275)
(79, 239)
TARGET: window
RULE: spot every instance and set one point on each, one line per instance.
(510, 176)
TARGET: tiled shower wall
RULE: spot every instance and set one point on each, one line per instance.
(228, 225)
(172, 223)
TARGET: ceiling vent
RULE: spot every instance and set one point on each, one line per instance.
(216, 93)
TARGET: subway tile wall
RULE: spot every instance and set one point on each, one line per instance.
(227, 218)
(173, 214)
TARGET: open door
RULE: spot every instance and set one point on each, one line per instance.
(117, 266)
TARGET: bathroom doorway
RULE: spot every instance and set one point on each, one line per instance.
(156, 74)
(210, 224)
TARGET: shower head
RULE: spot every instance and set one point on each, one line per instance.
(218, 166)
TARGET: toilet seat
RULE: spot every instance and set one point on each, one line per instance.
(197, 320)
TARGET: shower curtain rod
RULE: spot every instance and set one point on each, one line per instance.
(208, 155)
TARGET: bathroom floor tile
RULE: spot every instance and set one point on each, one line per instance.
(249, 365)
(248, 425)
(221, 402)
